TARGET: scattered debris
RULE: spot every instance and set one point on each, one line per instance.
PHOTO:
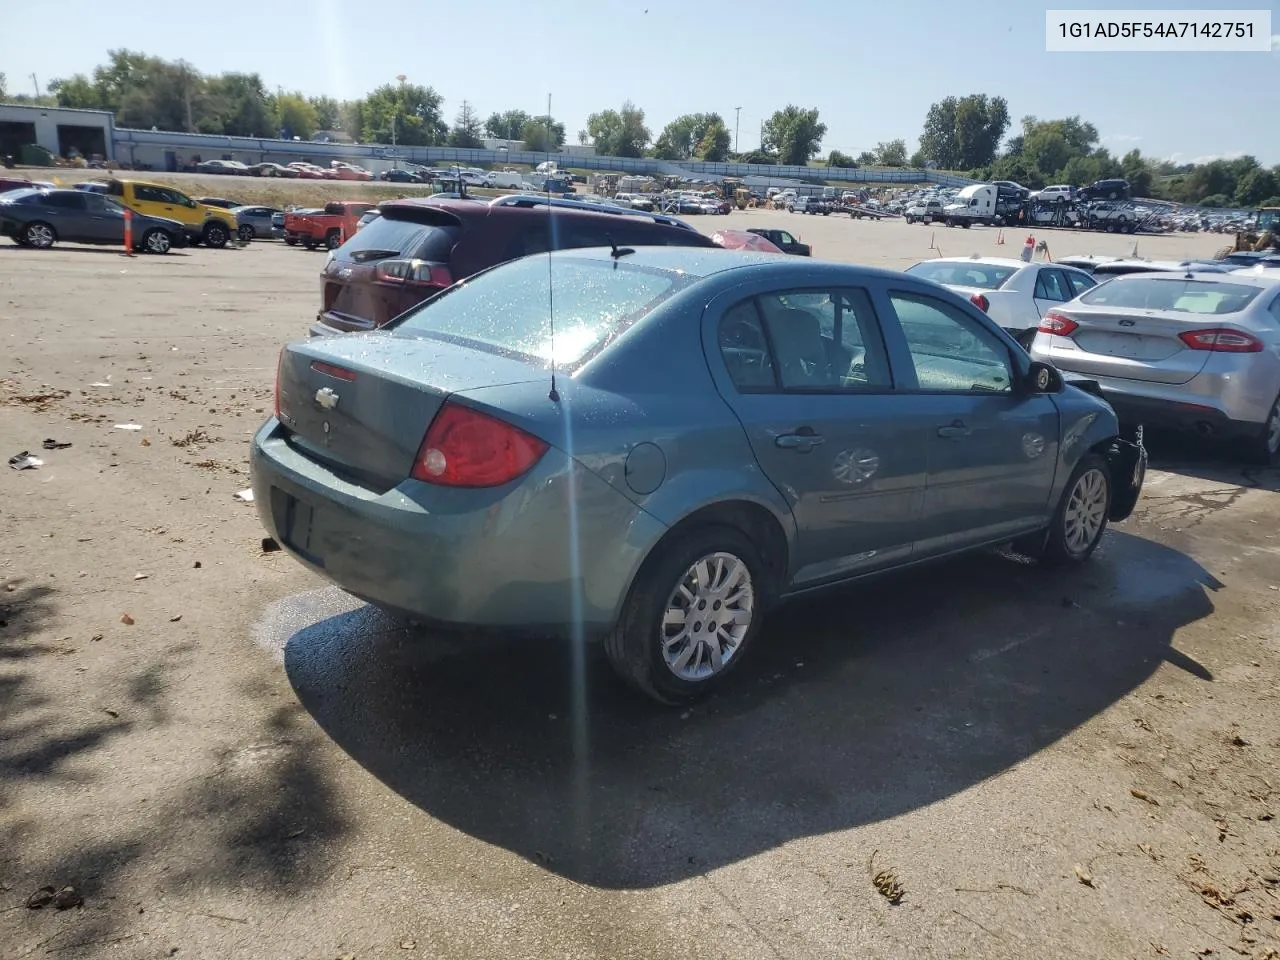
(51, 444)
(113, 714)
(885, 881)
(245, 496)
(175, 619)
(25, 461)
(194, 437)
(128, 426)
(196, 565)
(1141, 724)
(408, 944)
(1143, 796)
(269, 545)
(141, 576)
(126, 620)
(96, 637)
(41, 898)
(100, 383)
(1084, 876)
(1239, 741)
(146, 442)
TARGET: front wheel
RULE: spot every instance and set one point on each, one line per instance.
(1081, 517)
(216, 235)
(156, 241)
(290, 241)
(246, 232)
(692, 611)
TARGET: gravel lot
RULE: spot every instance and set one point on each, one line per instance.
(228, 758)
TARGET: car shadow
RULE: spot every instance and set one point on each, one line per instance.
(872, 702)
(89, 248)
(1205, 460)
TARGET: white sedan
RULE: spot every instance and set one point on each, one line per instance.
(1013, 293)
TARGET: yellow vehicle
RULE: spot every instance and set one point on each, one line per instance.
(742, 198)
(212, 226)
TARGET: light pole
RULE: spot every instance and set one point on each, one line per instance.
(737, 122)
(395, 157)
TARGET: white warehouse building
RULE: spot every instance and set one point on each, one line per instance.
(57, 129)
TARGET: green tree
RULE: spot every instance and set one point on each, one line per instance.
(409, 110)
(507, 125)
(238, 106)
(892, 153)
(794, 134)
(837, 159)
(867, 159)
(1138, 172)
(682, 137)
(466, 130)
(4, 93)
(619, 133)
(328, 113)
(298, 116)
(713, 145)
(1255, 187)
(77, 92)
(1216, 200)
(758, 157)
(964, 132)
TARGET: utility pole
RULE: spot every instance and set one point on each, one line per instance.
(395, 155)
(37, 85)
(737, 121)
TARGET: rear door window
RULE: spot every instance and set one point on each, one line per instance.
(66, 201)
(1052, 285)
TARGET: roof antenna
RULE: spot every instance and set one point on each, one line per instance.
(553, 395)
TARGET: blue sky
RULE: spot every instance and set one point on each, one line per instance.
(871, 69)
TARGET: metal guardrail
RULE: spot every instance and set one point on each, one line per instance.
(127, 140)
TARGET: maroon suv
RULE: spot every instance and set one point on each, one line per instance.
(420, 246)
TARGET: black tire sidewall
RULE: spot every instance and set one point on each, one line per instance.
(637, 643)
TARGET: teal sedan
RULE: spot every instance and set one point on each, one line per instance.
(654, 446)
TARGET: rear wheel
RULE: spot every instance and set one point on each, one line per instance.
(1081, 517)
(156, 241)
(333, 239)
(692, 611)
(38, 235)
(291, 241)
(1263, 448)
(309, 244)
(246, 232)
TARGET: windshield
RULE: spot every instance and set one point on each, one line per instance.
(985, 276)
(507, 310)
(1172, 294)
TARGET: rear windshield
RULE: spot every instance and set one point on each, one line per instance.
(385, 237)
(986, 276)
(1172, 293)
(507, 310)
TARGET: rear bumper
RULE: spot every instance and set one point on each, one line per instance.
(497, 558)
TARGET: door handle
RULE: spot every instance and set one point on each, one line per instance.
(799, 441)
(954, 430)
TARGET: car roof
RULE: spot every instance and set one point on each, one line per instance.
(708, 261)
(1248, 277)
(990, 261)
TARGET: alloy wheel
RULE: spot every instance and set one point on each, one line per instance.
(1086, 511)
(157, 242)
(707, 617)
(39, 235)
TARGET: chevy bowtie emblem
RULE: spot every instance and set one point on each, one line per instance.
(327, 398)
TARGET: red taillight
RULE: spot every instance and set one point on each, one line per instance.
(1057, 324)
(979, 301)
(416, 273)
(329, 370)
(1221, 340)
(466, 448)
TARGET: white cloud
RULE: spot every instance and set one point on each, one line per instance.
(1120, 138)
(1181, 158)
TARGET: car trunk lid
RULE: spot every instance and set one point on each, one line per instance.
(1130, 345)
(361, 405)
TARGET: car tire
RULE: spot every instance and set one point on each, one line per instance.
(1081, 517)
(156, 241)
(1263, 449)
(246, 232)
(38, 235)
(215, 235)
(291, 241)
(664, 657)
(333, 239)
(309, 244)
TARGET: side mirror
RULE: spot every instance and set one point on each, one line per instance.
(1043, 378)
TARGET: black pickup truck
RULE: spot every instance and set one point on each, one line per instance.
(783, 241)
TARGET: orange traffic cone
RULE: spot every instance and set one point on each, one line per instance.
(1000, 238)
(128, 232)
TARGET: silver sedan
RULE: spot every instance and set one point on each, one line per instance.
(254, 223)
(1190, 351)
